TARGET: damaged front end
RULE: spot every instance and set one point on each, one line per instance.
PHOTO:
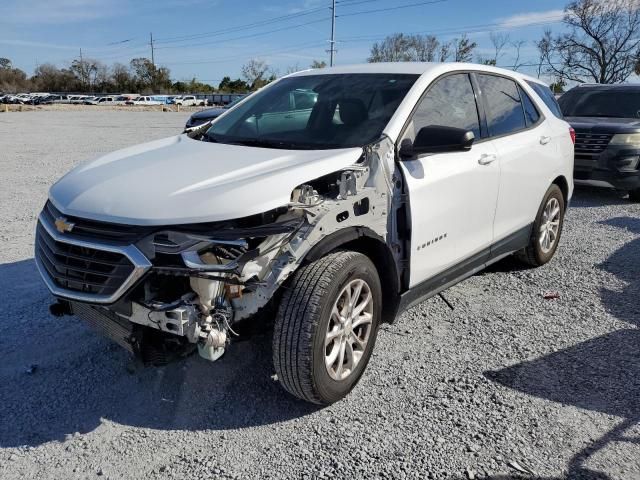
(163, 292)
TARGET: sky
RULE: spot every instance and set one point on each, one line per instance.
(209, 39)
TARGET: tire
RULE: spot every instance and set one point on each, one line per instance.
(634, 195)
(538, 252)
(301, 349)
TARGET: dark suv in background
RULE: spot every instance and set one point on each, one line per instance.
(606, 119)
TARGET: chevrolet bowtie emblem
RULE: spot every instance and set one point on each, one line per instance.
(62, 225)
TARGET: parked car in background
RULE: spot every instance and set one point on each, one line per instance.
(143, 100)
(189, 101)
(105, 101)
(203, 116)
(384, 185)
(78, 99)
(606, 119)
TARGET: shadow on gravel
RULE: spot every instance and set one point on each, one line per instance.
(586, 196)
(58, 377)
(601, 374)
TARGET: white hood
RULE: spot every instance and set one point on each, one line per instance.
(178, 180)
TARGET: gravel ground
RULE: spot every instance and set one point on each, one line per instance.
(506, 382)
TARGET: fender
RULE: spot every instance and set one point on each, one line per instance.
(366, 241)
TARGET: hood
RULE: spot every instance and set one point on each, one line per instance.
(605, 124)
(208, 113)
(179, 180)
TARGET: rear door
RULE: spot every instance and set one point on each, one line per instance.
(526, 149)
(452, 195)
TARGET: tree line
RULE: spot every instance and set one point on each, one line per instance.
(600, 44)
(141, 75)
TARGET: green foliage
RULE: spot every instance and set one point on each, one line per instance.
(233, 86)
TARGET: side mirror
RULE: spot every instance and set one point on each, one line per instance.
(437, 139)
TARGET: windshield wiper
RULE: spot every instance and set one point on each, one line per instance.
(265, 143)
(598, 115)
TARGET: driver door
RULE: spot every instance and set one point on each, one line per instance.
(452, 195)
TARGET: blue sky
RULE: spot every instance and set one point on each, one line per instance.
(211, 38)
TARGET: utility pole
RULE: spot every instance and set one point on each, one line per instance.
(81, 69)
(151, 43)
(332, 42)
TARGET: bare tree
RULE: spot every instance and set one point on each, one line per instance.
(463, 49)
(602, 44)
(499, 41)
(257, 73)
(292, 68)
(121, 77)
(423, 48)
(318, 64)
(85, 69)
(517, 46)
(394, 48)
(544, 50)
(444, 51)
(409, 48)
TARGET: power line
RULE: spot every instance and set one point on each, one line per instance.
(263, 54)
(387, 9)
(252, 35)
(237, 28)
(453, 31)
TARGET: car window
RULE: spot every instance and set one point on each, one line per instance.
(304, 99)
(450, 102)
(613, 102)
(531, 114)
(547, 96)
(505, 113)
(343, 110)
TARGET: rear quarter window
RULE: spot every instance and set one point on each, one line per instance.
(505, 112)
(547, 96)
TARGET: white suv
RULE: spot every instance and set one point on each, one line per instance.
(189, 101)
(327, 202)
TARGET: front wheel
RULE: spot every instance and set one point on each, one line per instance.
(547, 229)
(326, 326)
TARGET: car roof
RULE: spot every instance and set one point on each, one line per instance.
(629, 87)
(415, 68)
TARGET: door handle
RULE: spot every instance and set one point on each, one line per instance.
(487, 158)
(544, 140)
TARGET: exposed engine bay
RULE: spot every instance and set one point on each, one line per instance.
(205, 280)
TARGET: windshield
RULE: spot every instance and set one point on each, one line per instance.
(595, 102)
(237, 100)
(315, 112)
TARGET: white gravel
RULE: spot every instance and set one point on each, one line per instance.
(507, 381)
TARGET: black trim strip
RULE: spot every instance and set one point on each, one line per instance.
(466, 268)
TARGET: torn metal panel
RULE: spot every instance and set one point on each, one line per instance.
(364, 199)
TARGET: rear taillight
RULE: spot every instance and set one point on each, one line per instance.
(572, 133)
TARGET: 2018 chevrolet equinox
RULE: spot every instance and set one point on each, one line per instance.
(333, 198)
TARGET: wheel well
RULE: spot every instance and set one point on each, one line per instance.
(564, 187)
(364, 241)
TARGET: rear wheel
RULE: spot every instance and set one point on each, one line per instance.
(634, 195)
(547, 229)
(326, 327)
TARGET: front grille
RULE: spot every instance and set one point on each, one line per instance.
(92, 229)
(589, 145)
(79, 268)
(106, 323)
